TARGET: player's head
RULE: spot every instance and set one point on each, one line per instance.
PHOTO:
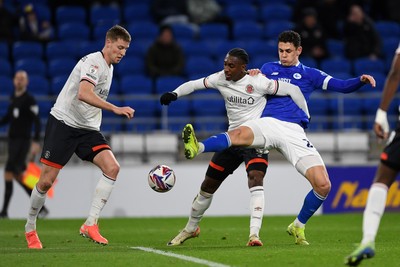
(20, 81)
(235, 63)
(117, 42)
(289, 48)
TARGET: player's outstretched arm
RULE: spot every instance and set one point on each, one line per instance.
(295, 93)
(184, 89)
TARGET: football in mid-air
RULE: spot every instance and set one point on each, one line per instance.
(161, 178)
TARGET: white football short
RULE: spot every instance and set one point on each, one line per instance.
(287, 138)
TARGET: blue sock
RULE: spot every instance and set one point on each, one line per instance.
(311, 203)
(217, 143)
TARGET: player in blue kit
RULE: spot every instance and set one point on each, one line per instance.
(282, 125)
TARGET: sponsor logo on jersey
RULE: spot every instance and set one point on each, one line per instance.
(275, 73)
(286, 80)
(249, 88)
(239, 100)
(93, 69)
(104, 92)
(297, 76)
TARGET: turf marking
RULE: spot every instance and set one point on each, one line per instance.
(181, 257)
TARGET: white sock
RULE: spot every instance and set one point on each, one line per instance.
(256, 209)
(37, 201)
(100, 198)
(373, 212)
(201, 148)
(199, 206)
(298, 223)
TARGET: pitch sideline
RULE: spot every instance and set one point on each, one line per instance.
(181, 257)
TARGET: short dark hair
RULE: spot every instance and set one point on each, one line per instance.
(118, 32)
(290, 37)
(240, 53)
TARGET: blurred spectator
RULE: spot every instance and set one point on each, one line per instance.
(165, 56)
(207, 11)
(329, 16)
(32, 27)
(7, 22)
(360, 36)
(170, 11)
(312, 35)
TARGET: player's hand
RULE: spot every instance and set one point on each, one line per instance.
(381, 126)
(125, 111)
(167, 98)
(253, 72)
(35, 148)
(368, 79)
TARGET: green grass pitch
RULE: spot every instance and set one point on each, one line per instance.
(222, 242)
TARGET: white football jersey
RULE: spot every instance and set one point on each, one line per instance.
(244, 99)
(74, 112)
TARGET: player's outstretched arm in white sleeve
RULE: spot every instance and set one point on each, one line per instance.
(295, 93)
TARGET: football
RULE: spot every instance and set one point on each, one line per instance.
(161, 178)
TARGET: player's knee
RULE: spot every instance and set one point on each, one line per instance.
(112, 169)
(255, 178)
(323, 188)
(241, 136)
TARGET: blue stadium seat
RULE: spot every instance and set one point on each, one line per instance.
(168, 83)
(318, 105)
(66, 14)
(109, 15)
(32, 66)
(208, 107)
(276, 12)
(129, 66)
(183, 32)
(143, 30)
(366, 65)
(45, 106)
(27, 49)
(247, 30)
(115, 88)
(309, 62)
(60, 66)
(256, 48)
(7, 87)
(136, 84)
(335, 48)
(4, 51)
(38, 85)
(57, 49)
(241, 12)
(99, 31)
(5, 68)
(43, 11)
(222, 48)
(196, 48)
(274, 28)
(57, 83)
(145, 111)
(70, 32)
(88, 47)
(201, 65)
(214, 31)
(136, 12)
(336, 64)
(387, 28)
(341, 75)
(389, 46)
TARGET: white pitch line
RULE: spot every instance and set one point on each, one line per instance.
(181, 257)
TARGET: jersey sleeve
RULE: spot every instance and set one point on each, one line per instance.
(212, 80)
(265, 85)
(90, 70)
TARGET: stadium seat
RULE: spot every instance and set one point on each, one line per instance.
(27, 49)
(214, 31)
(43, 11)
(5, 68)
(183, 32)
(57, 83)
(309, 62)
(7, 87)
(115, 88)
(196, 48)
(145, 114)
(241, 12)
(99, 31)
(208, 106)
(4, 51)
(276, 12)
(58, 49)
(335, 48)
(389, 46)
(88, 47)
(201, 65)
(60, 66)
(66, 14)
(336, 64)
(143, 30)
(274, 28)
(129, 66)
(136, 84)
(108, 15)
(136, 12)
(168, 83)
(68, 31)
(45, 106)
(38, 85)
(32, 66)
(366, 65)
(387, 28)
(247, 30)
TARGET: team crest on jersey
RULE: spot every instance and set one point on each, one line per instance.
(249, 88)
(297, 76)
(93, 69)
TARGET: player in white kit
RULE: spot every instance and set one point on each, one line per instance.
(245, 98)
(74, 127)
